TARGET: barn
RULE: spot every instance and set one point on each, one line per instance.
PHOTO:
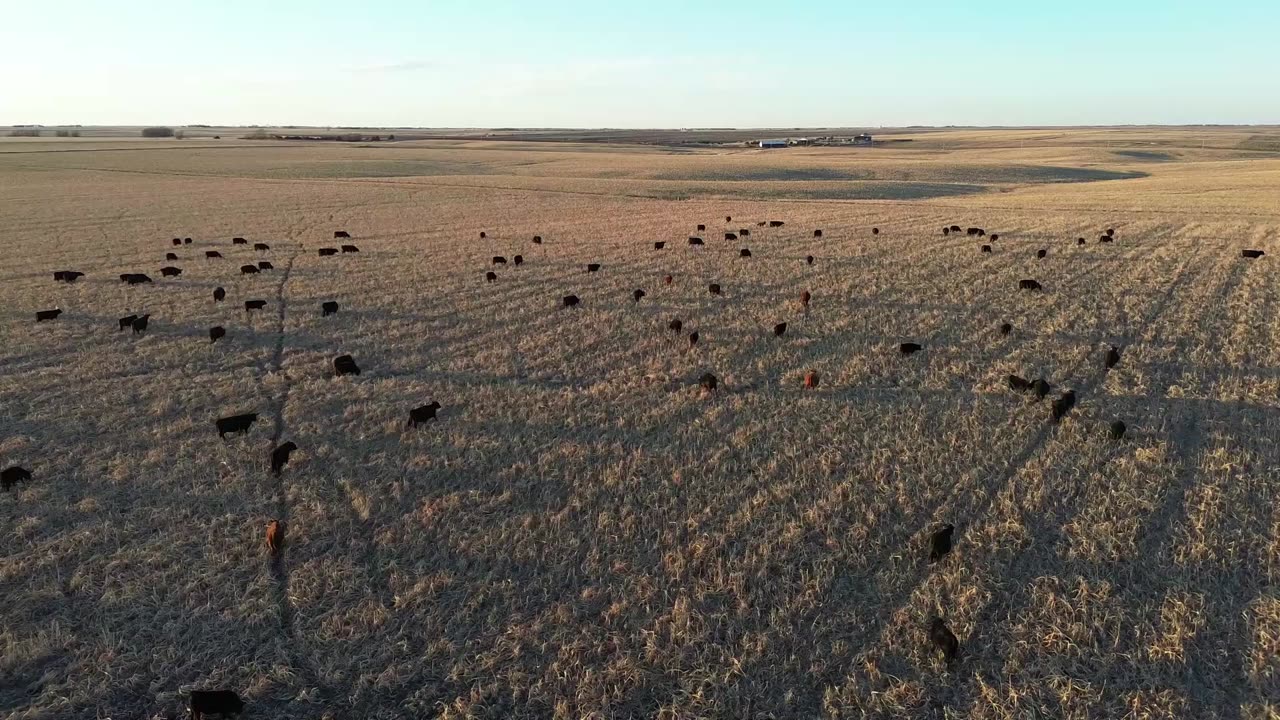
(773, 143)
(863, 139)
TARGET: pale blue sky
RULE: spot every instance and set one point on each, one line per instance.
(663, 63)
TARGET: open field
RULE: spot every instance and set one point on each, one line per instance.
(584, 533)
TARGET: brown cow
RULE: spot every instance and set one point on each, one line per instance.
(811, 380)
(275, 537)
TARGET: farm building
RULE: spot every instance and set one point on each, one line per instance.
(773, 143)
(863, 139)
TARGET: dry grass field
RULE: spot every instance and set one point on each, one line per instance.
(585, 533)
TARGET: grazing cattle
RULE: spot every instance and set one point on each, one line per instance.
(219, 294)
(139, 324)
(212, 254)
(13, 475)
(1005, 328)
(728, 218)
(482, 235)
(675, 325)
(593, 267)
(177, 242)
(329, 307)
(714, 288)
(909, 348)
(251, 305)
(216, 333)
(811, 380)
(238, 424)
(570, 301)
(693, 339)
(261, 247)
(744, 232)
(265, 265)
(1118, 430)
(1104, 238)
(978, 232)
(280, 456)
(817, 233)
(239, 241)
(780, 329)
(1019, 384)
(275, 536)
(42, 315)
(940, 543)
(955, 228)
(805, 297)
(693, 241)
(637, 295)
(708, 382)
(1041, 253)
(345, 365)
(1112, 358)
(171, 256)
(349, 249)
(1041, 388)
(875, 231)
(214, 702)
(170, 271)
(744, 252)
(127, 321)
(341, 234)
(186, 241)
(946, 232)
(1029, 285)
(136, 278)
(1111, 232)
(776, 223)
(994, 237)
(248, 269)
(423, 414)
(1079, 241)
(498, 260)
(67, 276)
(537, 239)
(1063, 405)
(1252, 254)
(762, 223)
(701, 227)
(808, 259)
(668, 280)
(659, 245)
(943, 639)
(326, 252)
(518, 260)
(731, 236)
(986, 248)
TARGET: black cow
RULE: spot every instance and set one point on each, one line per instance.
(974, 232)
(1029, 285)
(693, 338)
(593, 267)
(490, 276)
(341, 234)
(701, 227)
(694, 241)
(1111, 232)
(265, 265)
(1041, 388)
(177, 242)
(776, 223)
(730, 236)
(728, 218)
(1019, 384)
(345, 365)
(248, 269)
(326, 252)
(423, 414)
(139, 324)
(518, 260)
(955, 228)
(482, 235)
(1006, 328)
(212, 254)
(637, 296)
(940, 543)
(986, 248)
(239, 241)
(170, 271)
(744, 232)
(1041, 253)
(780, 329)
(946, 231)
(214, 702)
(1105, 238)
(675, 325)
(570, 301)
(216, 333)
(186, 241)
(350, 249)
(261, 247)
(136, 278)
(943, 639)
(1113, 357)
(817, 233)
(171, 256)
(1063, 405)
(42, 315)
(876, 231)
(762, 223)
(714, 288)
(238, 424)
(280, 456)
(219, 294)
(995, 237)
(127, 321)
(251, 305)
(1079, 241)
(909, 348)
(1252, 254)
(13, 475)
(744, 252)
(329, 307)
(708, 382)
(67, 276)
(808, 259)
(537, 239)
(498, 260)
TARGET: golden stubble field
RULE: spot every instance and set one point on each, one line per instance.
(585, 534)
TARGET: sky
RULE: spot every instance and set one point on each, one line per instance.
(662, 63)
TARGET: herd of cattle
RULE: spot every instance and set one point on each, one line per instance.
(226, 702)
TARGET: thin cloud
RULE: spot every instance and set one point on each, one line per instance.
(396, 67)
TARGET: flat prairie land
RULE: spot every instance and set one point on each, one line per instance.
(583, 532)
